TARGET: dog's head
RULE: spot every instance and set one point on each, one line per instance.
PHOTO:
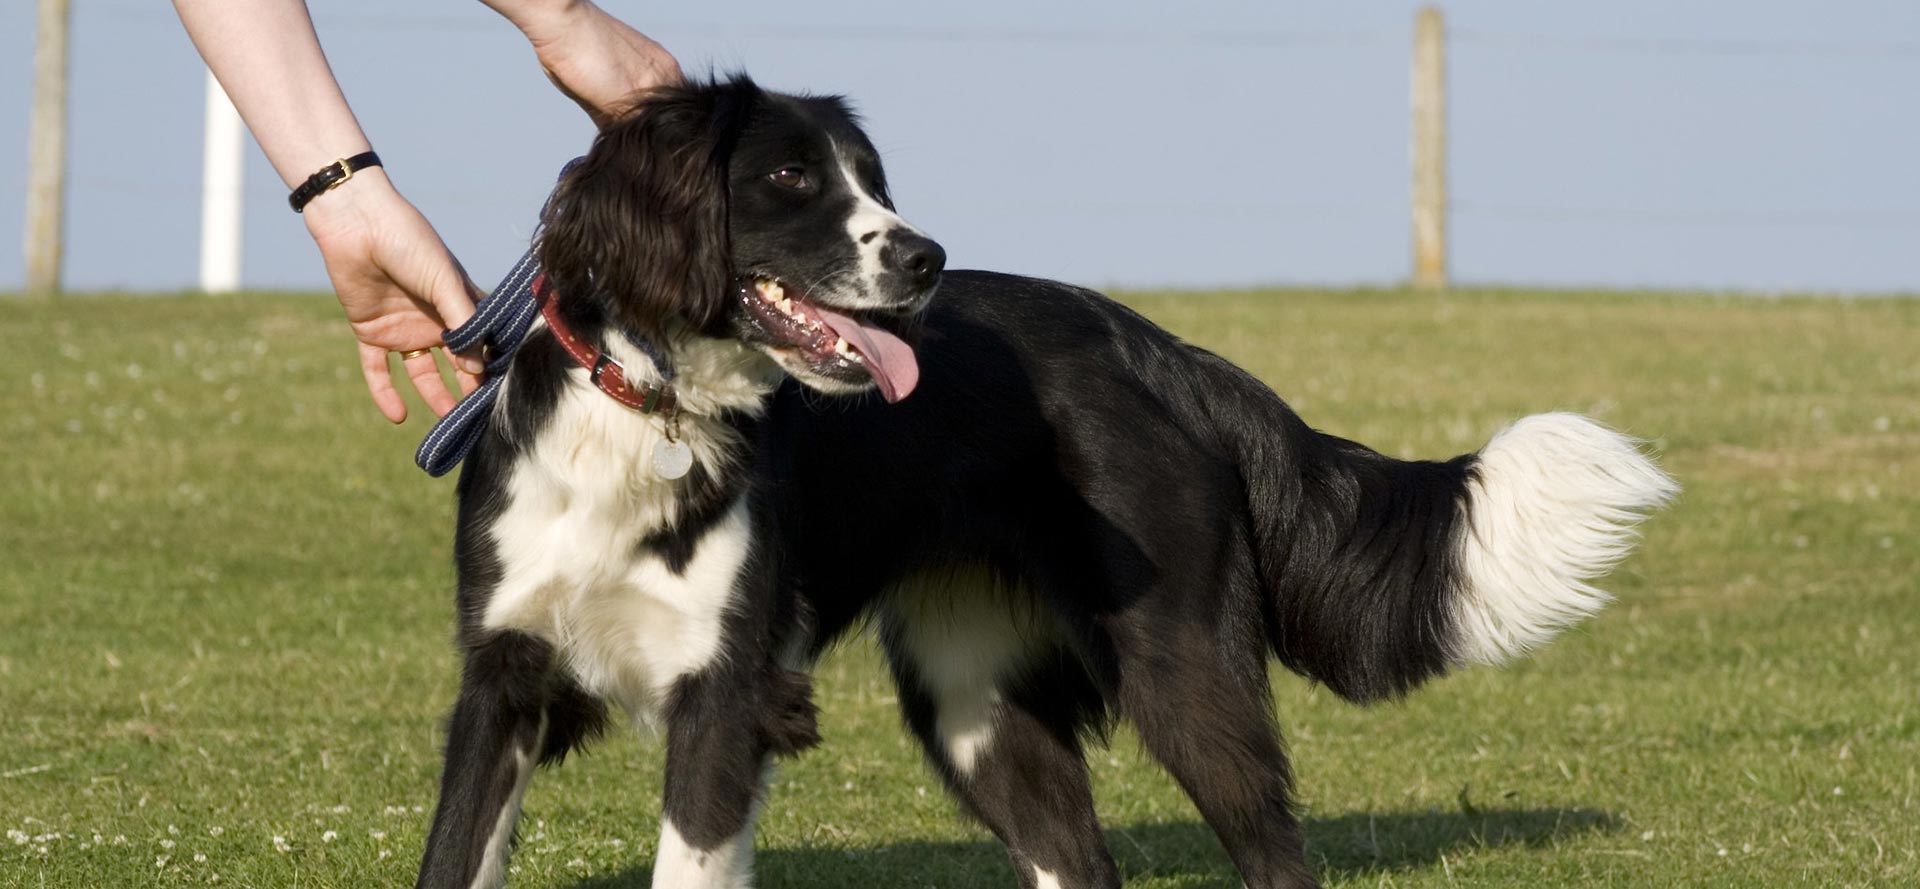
(721, 210)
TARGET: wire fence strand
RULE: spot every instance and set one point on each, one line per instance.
(1686, 46)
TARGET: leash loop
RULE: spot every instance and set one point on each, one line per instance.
(498, 326)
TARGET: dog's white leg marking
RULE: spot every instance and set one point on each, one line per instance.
(965, 637)
(1045, 879)
(965, 725)
(1552, 506)
(726, 866)
(493, 862)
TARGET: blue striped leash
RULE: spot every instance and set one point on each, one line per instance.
(499, 323)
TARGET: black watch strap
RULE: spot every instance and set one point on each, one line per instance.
(330, 177)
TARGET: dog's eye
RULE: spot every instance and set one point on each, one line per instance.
(789, 177)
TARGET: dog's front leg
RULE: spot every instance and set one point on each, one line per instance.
(495, 739)
(719, 746)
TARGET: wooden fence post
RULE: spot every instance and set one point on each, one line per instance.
(47, 152)
(1429, 150)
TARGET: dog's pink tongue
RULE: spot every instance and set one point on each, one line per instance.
(889, 360)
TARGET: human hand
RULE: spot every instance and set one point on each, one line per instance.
(399, 284)
(597, 60)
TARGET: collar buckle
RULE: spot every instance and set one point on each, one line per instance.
(647, 398)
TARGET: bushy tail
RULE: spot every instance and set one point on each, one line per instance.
(1383, 573)
(1551, 506)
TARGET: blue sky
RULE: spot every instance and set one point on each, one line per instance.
(1666, 144)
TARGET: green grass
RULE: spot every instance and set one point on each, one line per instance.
(225, 619)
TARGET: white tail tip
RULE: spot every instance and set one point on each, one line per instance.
(1552, 507)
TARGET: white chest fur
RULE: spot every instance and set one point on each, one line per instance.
(581, 501)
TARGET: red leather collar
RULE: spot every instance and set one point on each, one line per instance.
(607, 374)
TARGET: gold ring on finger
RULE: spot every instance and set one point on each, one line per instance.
(409, 356)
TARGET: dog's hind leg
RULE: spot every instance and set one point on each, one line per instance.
(1000, 713)
(500, 731)
(1198, 695)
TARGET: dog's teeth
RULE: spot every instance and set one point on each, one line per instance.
(784, 305)
(800, 316)
(840, 346)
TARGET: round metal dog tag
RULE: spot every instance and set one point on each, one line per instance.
(672, 459)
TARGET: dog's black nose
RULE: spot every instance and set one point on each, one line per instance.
(916, 256)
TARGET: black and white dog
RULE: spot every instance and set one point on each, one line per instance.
(1075, 517)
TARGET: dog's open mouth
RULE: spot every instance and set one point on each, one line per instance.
(833, 344)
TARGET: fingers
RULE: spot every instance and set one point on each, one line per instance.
(400, 287)
(453, 295)
(373, 365)
(453, 298)
(468, 382)
(454, 304)
(424, 371)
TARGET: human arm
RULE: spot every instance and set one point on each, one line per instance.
(395, 277)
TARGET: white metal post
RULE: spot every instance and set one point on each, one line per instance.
(220, 193)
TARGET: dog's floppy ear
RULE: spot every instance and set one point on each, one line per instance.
(640, 224)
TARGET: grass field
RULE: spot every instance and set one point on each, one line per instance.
(225, 619)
